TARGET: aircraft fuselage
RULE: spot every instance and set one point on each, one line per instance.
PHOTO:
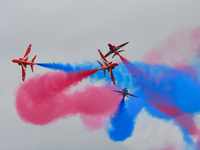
(20, 61)
(112, 48)
(112, 65)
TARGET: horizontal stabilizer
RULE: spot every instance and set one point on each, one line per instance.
(114, 55)
(121, 51)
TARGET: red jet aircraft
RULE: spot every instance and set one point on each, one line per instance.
(114, 49)
(108, 66)
(24, 61)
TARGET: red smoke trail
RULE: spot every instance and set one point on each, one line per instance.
(43, 99)
(185, 120)
(171, 111)
(167, 148)
(183, 46)
(124, 60)
(130, 67)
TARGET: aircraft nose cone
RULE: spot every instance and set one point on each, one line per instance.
(110, 45)
(14, 60)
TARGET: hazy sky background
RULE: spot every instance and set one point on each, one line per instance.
(72, 31)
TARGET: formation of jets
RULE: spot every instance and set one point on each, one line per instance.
(109, 66)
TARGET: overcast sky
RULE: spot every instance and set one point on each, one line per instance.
(72, 31)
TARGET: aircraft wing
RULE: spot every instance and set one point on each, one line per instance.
(111, 75)
(25, 58)
(120, 46)
(109, 53)
(103, 58)
(117, 91)
(132, 95)
(23, 71)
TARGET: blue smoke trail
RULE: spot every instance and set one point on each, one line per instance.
(165, 88)
(187, 138)
(57, 66)
(122, 123)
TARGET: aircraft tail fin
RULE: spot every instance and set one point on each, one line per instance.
(103, 70)
(33, 58)
(33, 62)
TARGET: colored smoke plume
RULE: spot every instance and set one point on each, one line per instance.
(167, 85)
(172, 91)
(177, 50)
(57, 66)
(122, 123)
(67, 67)
(43, 99)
